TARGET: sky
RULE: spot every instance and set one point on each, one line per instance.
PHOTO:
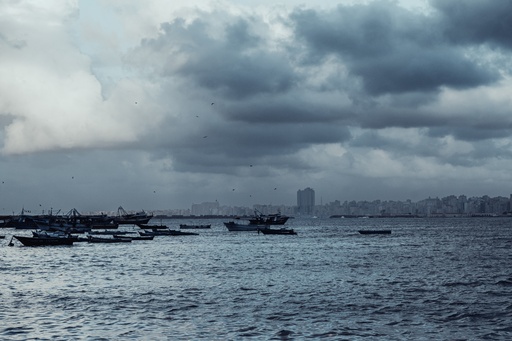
(158, 104)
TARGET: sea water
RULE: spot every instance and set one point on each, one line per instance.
(430, 279)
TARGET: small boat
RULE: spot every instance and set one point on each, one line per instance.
(44, 241)
(234, 227)
(269, 219)
(110, 232)
(374, 231)
(167, 232)
(192, 227)
(92, 239)
(124, 217)
(134, 237)
(2, 237)
(152, 227)
(269, 230)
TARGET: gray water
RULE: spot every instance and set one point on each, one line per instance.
(431, 279)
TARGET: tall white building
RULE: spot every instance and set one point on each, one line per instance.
(305, 201)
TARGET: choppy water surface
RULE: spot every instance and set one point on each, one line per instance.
(445, 279)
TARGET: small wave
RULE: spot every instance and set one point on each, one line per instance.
(506, 282)
(456, 284)
(16, 330)
(283, 334)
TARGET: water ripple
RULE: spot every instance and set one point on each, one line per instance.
(430, 279)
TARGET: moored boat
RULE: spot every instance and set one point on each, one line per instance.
(268, 230)
(110, 232)
(93, 239)
(124, 217)
(152, 227)
(166, 232)
(192, 227)
(374, 231)
(234, 227)
(268, 219)
(44, 241)
(139, 237)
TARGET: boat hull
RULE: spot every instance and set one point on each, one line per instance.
(374, 231)
(167, 233)
(282, 231)
(193, 227)
(44, 241)
(234, 227)
(108, 240)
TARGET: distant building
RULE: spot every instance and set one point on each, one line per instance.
(205, 208)
(306, 201)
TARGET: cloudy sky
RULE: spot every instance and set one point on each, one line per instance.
(155, 105)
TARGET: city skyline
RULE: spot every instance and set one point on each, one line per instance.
(451, 205)
(157, 104)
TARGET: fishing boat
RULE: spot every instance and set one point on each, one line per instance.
(374, 231)
(234, 227)
(192, 227)
(268, 219)
(152, 227)
(166, 232)
(268, 230)
(44, 241)
(93, 239)
(124, 217)
(139, 237)
(110, 232)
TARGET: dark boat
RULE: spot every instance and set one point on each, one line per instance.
(152, 227)
(2, 237)
(268, 230)
(269, 219)
(374, 231)
(235, 227)
(192, 227)
(110, 232)
(92, 239)
(45, 241)
(166, 232)
(124, 217)
(134, 237)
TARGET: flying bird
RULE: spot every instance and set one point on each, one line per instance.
(212, 103)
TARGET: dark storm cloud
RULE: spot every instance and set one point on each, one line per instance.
(286, 110)
(391, 49)
(471, 133)
(476, 21)
(229, 145)
(236, 64)
(478, 155)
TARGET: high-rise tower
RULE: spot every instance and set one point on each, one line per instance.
(306, 201)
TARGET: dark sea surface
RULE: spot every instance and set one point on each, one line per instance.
(430, 279)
